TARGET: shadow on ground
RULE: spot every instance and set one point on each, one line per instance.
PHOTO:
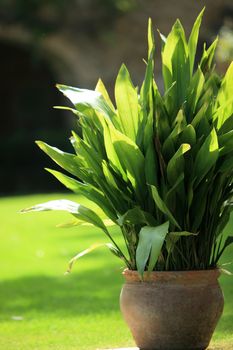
(85, 293)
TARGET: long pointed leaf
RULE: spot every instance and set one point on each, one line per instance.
(162, 206)
(127, 103)
(192, 43)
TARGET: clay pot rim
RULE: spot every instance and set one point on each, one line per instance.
(207, 275)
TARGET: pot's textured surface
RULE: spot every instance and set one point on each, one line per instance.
(172, 310)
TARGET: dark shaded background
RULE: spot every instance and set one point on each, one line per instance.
(75, 42)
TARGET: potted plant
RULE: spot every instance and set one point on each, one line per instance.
(160, 166)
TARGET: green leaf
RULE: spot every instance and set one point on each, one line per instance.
(226, 272)
(127, 103)
(227, 242)
(101, 89)
(182, 234)
(224, 98)
(131, 160)
(112, 154)
(199, 207)
(175, 166)
(227, 125)
(193, 39)
(109, 175)
(90, 156)
(223, 220)
(171, 194)
(79, 211)
(151, 166)
(136, 216)
(113, 249)
(226, 143)
(87, 191)
(86, 101)
(162, 206)
(227, 165)
(188, 135)
(70, 162)
(69, 182)
(173, 237)
(117, 188)
(199, 116)
(145, 129)
(171, 141)
(77, 222)
(66, 108)
(174, 56)
(161, 118)
(150, 243)
(151, 39)
(194, 92)
(92, 135)
(206, 62)
(206, 157)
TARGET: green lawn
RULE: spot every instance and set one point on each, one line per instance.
(42, 309)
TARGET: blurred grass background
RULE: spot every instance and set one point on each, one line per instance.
(43, 309)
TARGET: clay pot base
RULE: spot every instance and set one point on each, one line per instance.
(172, 310)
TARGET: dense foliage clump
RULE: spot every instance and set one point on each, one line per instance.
(159, 165)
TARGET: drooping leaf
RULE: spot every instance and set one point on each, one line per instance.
(226, 272)
(86, 101)
(78, 210)
(77, 222)
(113, 249)
(151, 240)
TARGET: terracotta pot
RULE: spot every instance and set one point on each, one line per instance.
(172, 310)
